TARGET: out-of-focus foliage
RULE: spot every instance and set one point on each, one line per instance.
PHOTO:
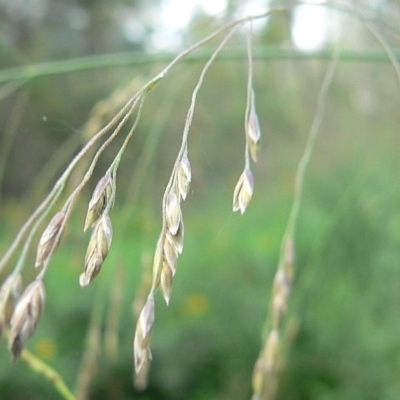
(343, 326)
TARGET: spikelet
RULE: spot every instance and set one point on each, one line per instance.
(102, 198)
(144, 326)
(26, 316)
(173, 213)
(166, 282)
(50, 239)
(252, 128)
(184, 176)
(97, 251)
(243, 191)
(10, 292)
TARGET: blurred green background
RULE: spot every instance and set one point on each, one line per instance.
(346, 295)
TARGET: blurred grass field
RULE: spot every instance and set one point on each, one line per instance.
(342, 331)
(344, 309)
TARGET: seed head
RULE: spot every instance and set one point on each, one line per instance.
(50, 239)
(166, 282)
(170, 253)
(184, 176)
(253, 132)
(281, 290)
(102, 196)
(97, 251)
(158, 259)
(10, 292)
(243, 191)
(26, 316)
(144, 327)
(177, 239)
(173, 214)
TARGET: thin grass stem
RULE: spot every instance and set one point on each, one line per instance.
(39, 366)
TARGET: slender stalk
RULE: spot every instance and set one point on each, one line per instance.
(188, 122)
(49, 373)
(89, 362)
(266, 372)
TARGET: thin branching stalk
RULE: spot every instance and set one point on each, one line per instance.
(10, 131)
(89, 363)
(268, 365)
(44, 208)
(39, 366)
(112, 321)
(170, 242)
(188, 122)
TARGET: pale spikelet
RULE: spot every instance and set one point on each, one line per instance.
(289, 254)
(281, 290)
(101, 199)
(184, 176)
(144, 326)
(26, 316)
(177, 239)
(166, 282)
(267, 365)
(170, 253)
(173, 214)
(243, 191)
(97, 251)
(10, 292)
(50, 239)
(253, 132)
(158, 260)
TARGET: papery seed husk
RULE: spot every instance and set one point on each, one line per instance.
(289, 252)
(170, 254)
(166, 282)
(254, 150)
(26, 316)
(101, 198)
(158, 259)
(141, 354)
(10, 292)
(146, 318)
(173, 214)
(243, 191)
(104, 235)
(93, 262)
(50, 238)
(271, 349)
(97, 251)
(177, 239)
(253, 126)
(184, 176)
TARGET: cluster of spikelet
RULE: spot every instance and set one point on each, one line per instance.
(20, 310)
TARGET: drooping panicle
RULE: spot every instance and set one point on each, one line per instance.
(243, 191)
(26, 316)
(50, 239)
(10, 292)
(97, 251)
(102, 199)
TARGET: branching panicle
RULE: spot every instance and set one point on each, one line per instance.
(20, 313)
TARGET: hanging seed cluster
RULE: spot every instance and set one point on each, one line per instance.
(245, 186)
(169, 247)
(98, 219)
(21, 310)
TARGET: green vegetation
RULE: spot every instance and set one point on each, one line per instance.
(340, 335)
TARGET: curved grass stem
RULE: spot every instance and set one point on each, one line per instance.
(39, 366)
